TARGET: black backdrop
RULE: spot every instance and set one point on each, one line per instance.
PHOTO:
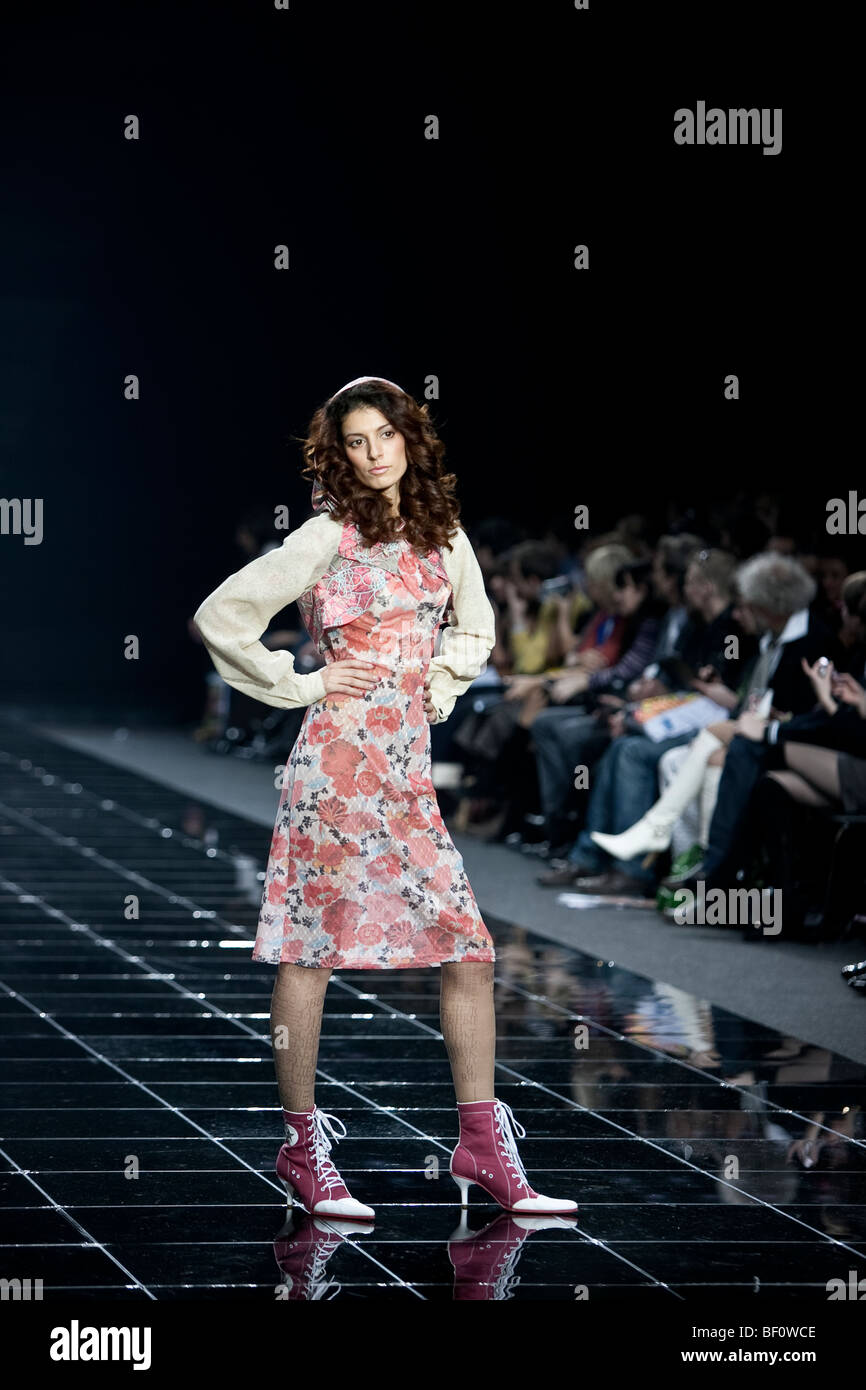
(408, 257)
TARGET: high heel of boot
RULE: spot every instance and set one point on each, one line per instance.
(464, 1184)
(649, 859)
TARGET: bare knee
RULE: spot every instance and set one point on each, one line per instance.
(468, 974)
(301, 977)
(716, 759)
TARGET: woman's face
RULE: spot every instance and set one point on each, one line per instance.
(694, 586)
(630, 597)
(376, 450)
(663, 583)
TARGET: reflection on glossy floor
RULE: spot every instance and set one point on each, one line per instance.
(140, 1119)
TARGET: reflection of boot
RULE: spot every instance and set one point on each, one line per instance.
(487, 1155)
(302, 1250)
(652, 833)
(484, 1262)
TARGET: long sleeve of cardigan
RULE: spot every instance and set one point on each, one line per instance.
(232, 619)
(469, 639)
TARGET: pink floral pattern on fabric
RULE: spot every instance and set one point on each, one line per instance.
(362, 872)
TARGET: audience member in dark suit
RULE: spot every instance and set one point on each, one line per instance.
(835, 723)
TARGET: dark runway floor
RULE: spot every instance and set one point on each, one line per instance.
(140, 1119)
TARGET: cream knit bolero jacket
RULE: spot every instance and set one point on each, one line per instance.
(232, 619)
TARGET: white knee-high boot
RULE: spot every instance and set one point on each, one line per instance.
(708, 796)
(684, 831)
(652, 833)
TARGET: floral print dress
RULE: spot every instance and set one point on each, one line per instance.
(362, 873)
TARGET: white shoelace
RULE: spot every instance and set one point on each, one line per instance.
(325, 1169)
(507, 1142)
(317, 1284)
(506, 1280)
(319, 1290)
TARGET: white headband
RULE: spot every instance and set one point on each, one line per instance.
(359, 379)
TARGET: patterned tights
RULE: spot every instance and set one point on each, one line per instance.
(466, 1015)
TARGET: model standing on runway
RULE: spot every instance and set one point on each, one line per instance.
(362, 872)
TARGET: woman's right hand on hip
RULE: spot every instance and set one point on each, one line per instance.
(349, 676)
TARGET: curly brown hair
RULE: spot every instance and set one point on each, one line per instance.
(428, 507)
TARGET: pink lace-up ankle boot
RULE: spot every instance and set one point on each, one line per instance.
(303, 1164)
(487, 1154)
